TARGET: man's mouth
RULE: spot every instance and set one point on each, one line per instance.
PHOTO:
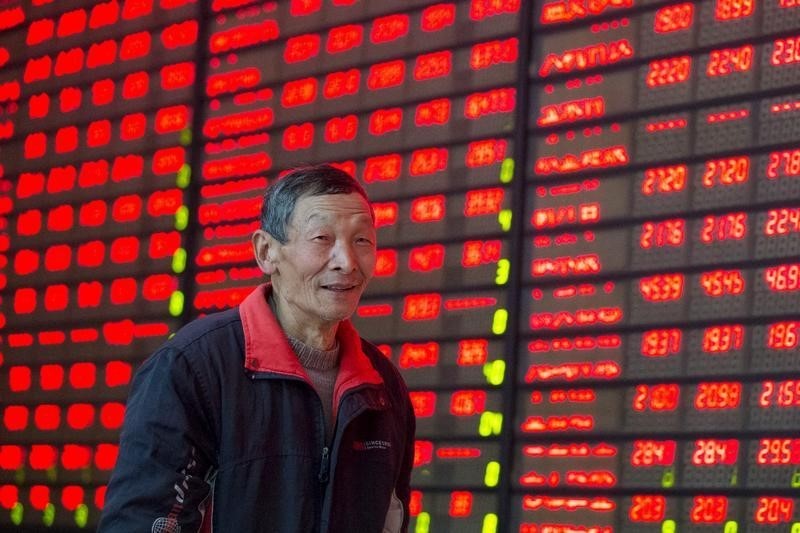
(340, 287)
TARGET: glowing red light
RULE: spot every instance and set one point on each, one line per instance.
(106, 456)
(385, 75)
(82, 375)
(71, 497)
(667, 233)
(472, 352)
(124, 250)
(123, 291)
(24, 300)
(710, 452)
(386, 263)
(66, 139)
(426, 258)
(774, 510)
(422, 306)
(664, 180)
(112, 415)
(423, 451)
(778, 452)
(15, 417)
(432, 113)
(721, 339)
(382, 168)
(647, 453)
(56, 298)
(460, 504)
(386, 213)
(47, 417)
(389, 28)
(783, 221)
(419, 355)
(117, 373)
(301, 8)
(783, 278)
(661, 342)
(722, 282)
(730, 60)
(178, 35)
(486, 152)
(495, 101)
(661, 287)
(176, 76)
(384, 121)
(341, 129)
(660, 397)
(101, 54)
(298, 136)
(301, 48)
(344, 38)
(168, 160)
(126, 208)
(428, 208)
(437, 17)
(69, 62)
(482, 9)
(423, 402)
(476, 253)
(647, 508)
(104, 14)
(427, 161)
(433, 65)
(51, 377)
(669, 71)
(136, 9)
(338, 84)
(718, 395)
(38, 104)
(709, 509)
(40, 31)
(467, 402)
(135, 45)
(783, 335)
(80, 415)
(673, 18)
(11, 458)
(733, 9)
(588, 57)
(488, 54)
(483, 202)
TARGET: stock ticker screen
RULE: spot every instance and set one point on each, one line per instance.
(588, 220)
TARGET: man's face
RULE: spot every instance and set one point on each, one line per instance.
(319, 274)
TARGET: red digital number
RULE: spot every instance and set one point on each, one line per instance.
(787, 51)
(673, 18)
(720, 339)
(661, 287)
(709, 509)
(653, 453)
(661, 342)
(729, 60)
(661, 397)
(783, 278)
(728, 171)
(710, 452)
(783, 163)
(669, 71)
(722, 282)
(774, 510)
(661, 234)
(647, 508)
(731, 226)
(782, 221)
(778, 452)
(734, 9)
(664, 180)
(783, 335)
(718, 395)
(780, 394)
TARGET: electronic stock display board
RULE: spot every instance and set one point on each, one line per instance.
(588, 219)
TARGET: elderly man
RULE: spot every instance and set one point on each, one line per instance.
(274, 416)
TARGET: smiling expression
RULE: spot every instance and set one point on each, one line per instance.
(319, 274)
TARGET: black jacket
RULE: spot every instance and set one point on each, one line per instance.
(223, 431)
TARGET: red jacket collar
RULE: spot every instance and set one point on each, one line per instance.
(268, 350)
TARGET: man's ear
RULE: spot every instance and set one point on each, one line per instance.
(265, 248)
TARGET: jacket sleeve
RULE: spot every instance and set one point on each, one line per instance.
(161, 481)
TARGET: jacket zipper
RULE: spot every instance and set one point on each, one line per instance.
(325, 465)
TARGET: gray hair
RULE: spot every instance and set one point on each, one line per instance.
(282, 195)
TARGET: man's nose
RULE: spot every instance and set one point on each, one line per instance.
(343, 257)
